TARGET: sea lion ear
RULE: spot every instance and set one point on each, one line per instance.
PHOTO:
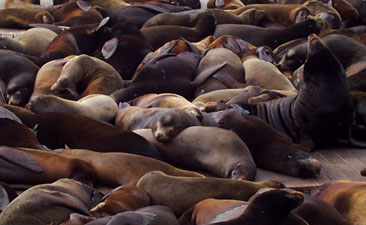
(83, 5)
(109, 48)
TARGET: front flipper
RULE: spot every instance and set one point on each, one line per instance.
(20, 158)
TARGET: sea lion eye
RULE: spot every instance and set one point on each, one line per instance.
(234, 173)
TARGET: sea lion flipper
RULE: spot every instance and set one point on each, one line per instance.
(20, 158)
(83, 5)
(4, 198)
(200, 78)
(109, 48)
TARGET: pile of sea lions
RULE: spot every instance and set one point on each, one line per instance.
(154, 112)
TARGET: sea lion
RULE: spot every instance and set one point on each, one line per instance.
(76, 14)
(36, 40)
(124, 168)
(271, 37)
(211, 149)
(271, 149)
(50, 203)
(234, 68)
(347, 50)
(204, 27)
(77, 40)
(165, 123)
(125, 51)
(270, 207)
(18, 73)
(347, 197)
(324, 11)
(282, 14)
(167, 100)
(189, 18)
(121, 199)
(302, 117)
(57, 129)
(87, 75)
(32, 166)
(151, 215)
(22, 17)
(166, 73)
(96, 106)
(180, 193)
(46, 76)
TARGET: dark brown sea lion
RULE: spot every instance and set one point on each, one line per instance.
(271, 37)
(347, 197)
(165, 123)
(125, 51)
(189, 18)
(22, 17)
(324, 11)
(121, 199)
(77, 40)
(211, 149)
(270, 148)
(204, 27)
(268, 208)
(18, 73)
(166, 73)
(150, 215)
(181, 193)
(124, 168)
(32, 166)
(313, 120)
(50, 203)
(57, 129)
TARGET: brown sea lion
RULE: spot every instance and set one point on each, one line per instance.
(87, 75)
(18, 73)
(271, 149)
(50, 203)
(211, 149)
(46, 76)
(124, 168)
(32, 166)
(282, 14)
(165, 123)
(7, 194)
(96, 106)
(271, 37)
(22, 17)
(181, 193)
(204, 27)
(121, 199)
(347, 197)
(167, 100)
(76, 14)
(324, 11)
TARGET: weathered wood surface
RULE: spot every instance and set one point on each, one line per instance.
(338, 163)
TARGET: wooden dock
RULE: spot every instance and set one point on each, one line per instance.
(338, 163)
